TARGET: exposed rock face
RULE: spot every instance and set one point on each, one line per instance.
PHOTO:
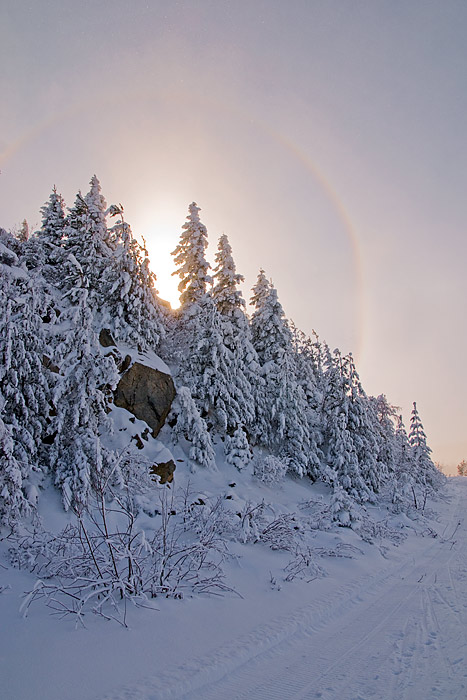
(165, 471)
(147, 394)
(106, 339)
(49, 364)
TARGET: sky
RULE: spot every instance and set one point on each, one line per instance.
(326, 138)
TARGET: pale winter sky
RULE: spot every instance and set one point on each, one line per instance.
(325, 138)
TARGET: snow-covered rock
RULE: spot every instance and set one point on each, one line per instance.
(147, 393)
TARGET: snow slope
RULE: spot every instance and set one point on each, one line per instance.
(388, 623)
(395, 631)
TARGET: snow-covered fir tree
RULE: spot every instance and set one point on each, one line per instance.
(307, 361)
(81, 404)
(383, 416)
(236, 336)
(341, 455)
(132, 309)
(192, 428)
(425, 472)
(87, 238)
(281, 406)
(190, 258)
(206, 365)
(362, 423)
(53, 221)
(402, 479)
(24, 387)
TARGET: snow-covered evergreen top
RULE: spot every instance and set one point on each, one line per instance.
(227, 296)
(270, 333)
(189, 256)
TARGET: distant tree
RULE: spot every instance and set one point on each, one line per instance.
(23, 233)
(462, 468)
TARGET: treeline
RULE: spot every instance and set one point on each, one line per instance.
(253, 382)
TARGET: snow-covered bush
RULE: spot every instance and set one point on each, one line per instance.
(303, 565)
(344, 510)
(237, 450)
(104, 560)
(269, 469)
(319, 517)
(193, 428)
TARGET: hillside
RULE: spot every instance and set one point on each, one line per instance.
(162, 471)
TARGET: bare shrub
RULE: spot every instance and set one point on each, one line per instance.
(102, 561)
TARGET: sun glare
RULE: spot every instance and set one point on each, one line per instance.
(161, 230)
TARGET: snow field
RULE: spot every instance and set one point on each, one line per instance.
(395, 629)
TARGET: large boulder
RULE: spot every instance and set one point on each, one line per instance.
(147, 393)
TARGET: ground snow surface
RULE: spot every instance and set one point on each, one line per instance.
(390, 623)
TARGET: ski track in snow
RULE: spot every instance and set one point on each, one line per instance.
(399, 635)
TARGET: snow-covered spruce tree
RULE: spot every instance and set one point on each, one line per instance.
(402, 479)
(132, 310)
(81, 404)
(310, 377)
(53, 222)
(50, 266)
(263, 331)
(190, 258)
(190, 426)
(363, 425)
(205, 364)
(13, 502)
(228, 297)
(340, 451)
(24, 390)
(42, 250)
(281, 405)
(87, 238)
(12, 472)
(211, 374)
(425, 472)
(236, 337)
(383, 420)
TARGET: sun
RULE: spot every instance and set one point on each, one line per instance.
(161, 230)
